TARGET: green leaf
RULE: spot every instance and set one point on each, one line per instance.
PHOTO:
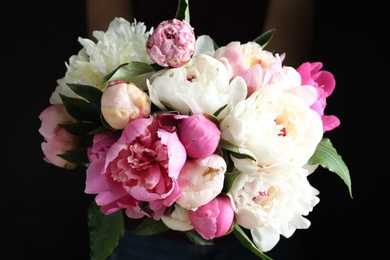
(104, 231)
(216, 114)
(91, 94)
(80, 129)
(197, 239)
(264, 39)
(81, 109)
(327, 156)
(234, 150)
(129, 72)
(74, 158)
(229, 180)
(247, 243)
(109, 75)
(150, 227)
(183, 11)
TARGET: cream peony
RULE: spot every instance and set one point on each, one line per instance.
(178, 219)
(278, 129)
(200, 181)
(200, 86)
(272, 206)
(121, 43)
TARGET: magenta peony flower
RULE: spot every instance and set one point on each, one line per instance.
(172, 43)
(199, 136)
(57, 139)
(324, 83)
(213, 219)
(141, 166)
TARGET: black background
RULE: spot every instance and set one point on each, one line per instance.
(43, 212)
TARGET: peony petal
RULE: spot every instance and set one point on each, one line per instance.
(96, 182)
(265, 238)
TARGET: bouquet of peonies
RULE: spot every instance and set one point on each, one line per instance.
(190, 136)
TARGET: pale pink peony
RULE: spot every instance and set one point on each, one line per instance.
(172, 43)
(324, 83)
(141, 166)
(57, 139)
(122, 102)
(252, 63)
(213, 219)
(199, 136)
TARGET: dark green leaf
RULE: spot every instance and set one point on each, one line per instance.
(81, 109)
(327, 156)
(229, 180)
(197, 239)
(234, 150)
(216, 47)
(216, 114)
(183, 11)
(80, 129)
(130, 72)
(247, 243)
(91, 94)
(150, 227)
(264, 39)
(98, 130)
(104, 231)
(74, 158)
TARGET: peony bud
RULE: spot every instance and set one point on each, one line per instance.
(124, 102)
(172, 43)
(213, 219)
(199, 136)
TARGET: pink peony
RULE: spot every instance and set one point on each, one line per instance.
(122, 102)
(252, 63)
(213, 219)
(199, 136)
(172, 43)
(141, 166)
(57, 139)
(324, 83)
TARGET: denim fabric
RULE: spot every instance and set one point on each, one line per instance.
(157, 247)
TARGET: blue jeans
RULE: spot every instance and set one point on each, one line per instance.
(160, 247)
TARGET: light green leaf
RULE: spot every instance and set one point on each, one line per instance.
(150, 227)
(327, 156)
(104, 231)
(234, 150)
(265, 38)
(247, 243)
(197, 239)
(229, 180)
(130, 72)
(183, 11)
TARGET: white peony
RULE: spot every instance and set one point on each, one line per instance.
(178, 219)
(200, 86)
(121, 43)
(201, 180)
(278, 129)
(271, 207)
